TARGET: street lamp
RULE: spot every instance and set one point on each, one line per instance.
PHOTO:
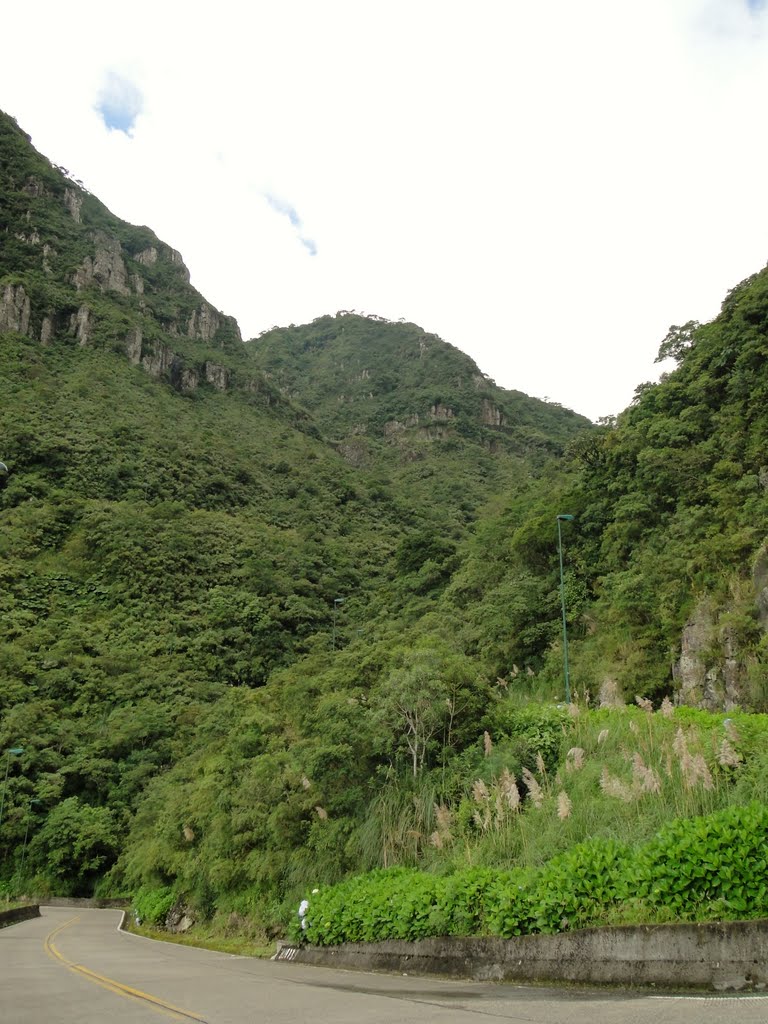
(336, 602)
(563, 519)
(9, 751)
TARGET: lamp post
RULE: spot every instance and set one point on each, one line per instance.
(336, 602)
(563, 519)
(9, 751)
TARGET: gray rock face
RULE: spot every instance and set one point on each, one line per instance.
(704, 678)
(74, 202)
(106, 269)
(81, 325)
(709, 673)
(133, 345)
(441, 412)
(491, 415)
(147, 256)
(203, 323)
(217, 375)
(15, 309)
(46, 330)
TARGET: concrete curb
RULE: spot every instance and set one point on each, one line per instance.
(716, 957)
(8, 917)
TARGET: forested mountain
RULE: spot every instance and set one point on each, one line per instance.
(262, 601)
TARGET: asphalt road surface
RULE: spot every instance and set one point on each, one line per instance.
(75, 967)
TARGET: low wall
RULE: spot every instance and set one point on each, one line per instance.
(18, 914)
(87, 903)
(725, 956)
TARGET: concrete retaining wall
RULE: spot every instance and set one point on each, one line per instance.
(732, 955)
(18, 914)
(86, 902)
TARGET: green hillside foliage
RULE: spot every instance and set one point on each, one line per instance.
(282, 612)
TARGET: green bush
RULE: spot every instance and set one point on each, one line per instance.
(705, 868)
(708, 867)
(574, 889)
(152, 905)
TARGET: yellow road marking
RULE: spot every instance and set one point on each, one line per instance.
(117, 987)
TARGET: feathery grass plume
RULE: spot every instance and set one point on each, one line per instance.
(668, 765)
(614, 787)
(321, 813)
(502, 683)
(680, 743)
(667, 708)
(644, 703)
(483, 818)
(701, 772)
(633, 726)
(442, 836)
(574, 759)
(645, 779)
(305, 783)
(443, 817)
(573, 710)
(498, 808)
(564, 805)
(509, 790)
(535, 792)
(189, 833)
(728, 757)
(602, 736)
(587, 698)
(480, 792)
(608, 697)
(487, 743)
(541, 768)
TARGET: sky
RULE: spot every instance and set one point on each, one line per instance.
(546, 185)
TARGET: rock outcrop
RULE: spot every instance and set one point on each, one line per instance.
(105, 269)
(15, 309)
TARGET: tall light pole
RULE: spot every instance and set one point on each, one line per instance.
(563, 519)
(9, 751)
(336, 602)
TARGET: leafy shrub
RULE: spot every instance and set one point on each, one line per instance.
(574, 889)
(704, 868)
(152, 905)
(713, 866)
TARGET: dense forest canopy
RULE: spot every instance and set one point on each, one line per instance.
(267, 606)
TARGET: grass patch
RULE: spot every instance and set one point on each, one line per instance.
(207, 938)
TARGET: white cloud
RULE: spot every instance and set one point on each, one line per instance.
(547, 187)
(119, 103)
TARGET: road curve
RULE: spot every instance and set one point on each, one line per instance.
(75, 967)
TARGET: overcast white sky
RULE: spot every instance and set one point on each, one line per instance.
(546, 185)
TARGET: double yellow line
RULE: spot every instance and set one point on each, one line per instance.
(117, 987)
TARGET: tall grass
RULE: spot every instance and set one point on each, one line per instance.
(622, 772)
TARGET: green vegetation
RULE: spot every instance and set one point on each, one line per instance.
(280, 613)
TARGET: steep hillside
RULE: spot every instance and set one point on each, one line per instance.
(188, 558)
(270, 608)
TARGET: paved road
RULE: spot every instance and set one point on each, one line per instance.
(75, 967)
